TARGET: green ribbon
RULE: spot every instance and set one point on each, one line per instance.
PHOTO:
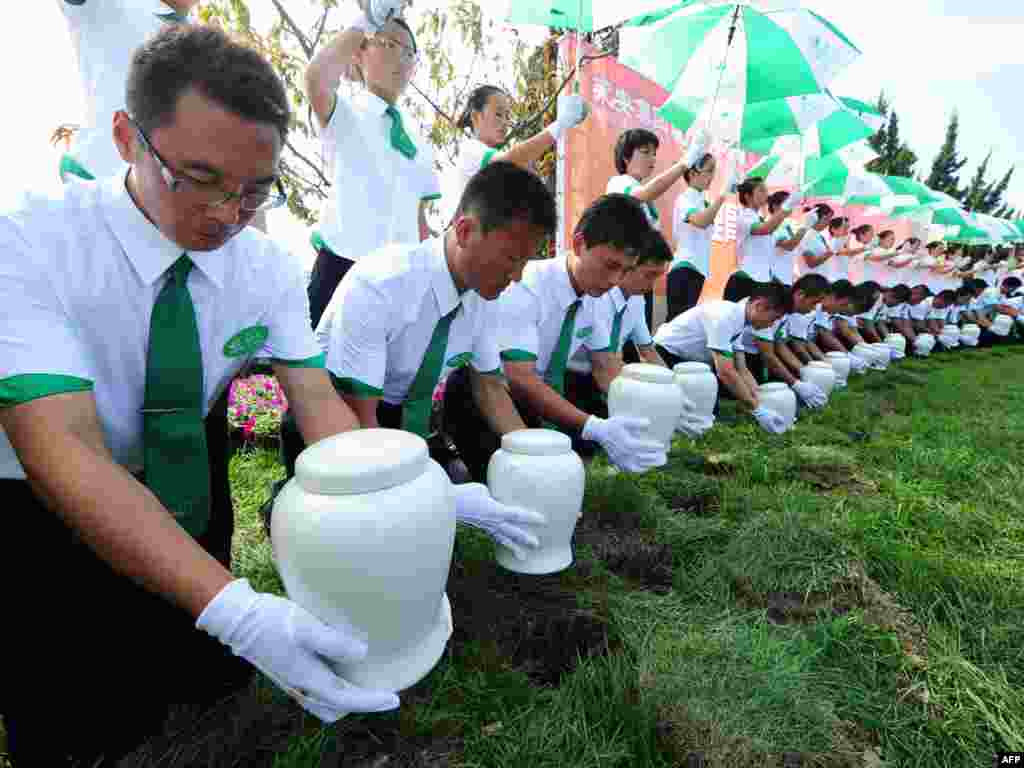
(174, 436)
(555, 375)
(617, 329)
(399, 138)
(420, 397)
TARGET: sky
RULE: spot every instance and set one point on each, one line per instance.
(929, 56)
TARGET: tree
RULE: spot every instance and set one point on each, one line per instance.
(945, 173)
(446, 33)
(895, 157)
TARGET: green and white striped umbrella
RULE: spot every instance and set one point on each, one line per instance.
(894, 185)
(864, 111)
(837, 130)
(587, 15)
(793, 168)
(999, 230)
(734, 53)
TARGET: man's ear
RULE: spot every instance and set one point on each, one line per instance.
(126, 138)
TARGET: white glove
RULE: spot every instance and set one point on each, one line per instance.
(475, 506)
(811, 394)
(621, 438)
(895, 354)
(572, 110)
(377, 13)
(697, 149)
(858, 364)
(791, 202)
(811, 218)
(770, 421)
(293, 648)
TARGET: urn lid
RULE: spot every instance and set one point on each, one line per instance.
(835, 356)
(774, 386)
(825, 366)
(361, 461)
(536, 442)
(654, 374)
(692, 367)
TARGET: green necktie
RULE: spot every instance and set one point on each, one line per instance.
(420, 397)
(174, 435)
(555, 376)
(617, 329)
(399, 138)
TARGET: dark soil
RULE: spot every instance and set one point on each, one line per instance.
(532, 623)
(697, 504)
(630, 555)
(825, 477)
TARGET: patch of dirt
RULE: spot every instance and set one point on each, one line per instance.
(834, 478)
(374, 742)
(701, 744)
(699, 504)
(787, 607)
(631, 556)
(532, 623)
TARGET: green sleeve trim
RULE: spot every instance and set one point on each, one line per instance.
(629, 189)
(685, 264)
(428, 198)
(518, 356)
(689, 213)
(723, 353)
(488, 156)
(319, 361)
(26, 387)
(356, 388)
(318, 242)
(495, 372)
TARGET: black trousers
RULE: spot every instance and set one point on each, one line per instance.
(683, 287)
(739, 287)
(328, 270)
(91, 662)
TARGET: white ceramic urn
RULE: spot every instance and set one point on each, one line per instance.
(538, 469)
(779, 398)
(363, 537)
(648, 391)
(1002, 325)
(865, 353)
(840, 362)
(969, 334)
(950, 335)
(883, 355)
(897, 341)
(820, 373)
(700, 391)
(924, 344)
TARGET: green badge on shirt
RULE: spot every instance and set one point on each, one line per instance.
(460, 360)
(583, 333)
(246, 341)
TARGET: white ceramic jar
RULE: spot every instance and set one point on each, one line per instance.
(924, 344)
(950, 335)
(864, 352)
(363, 537)
(883, 355)
(897, 341)
(1002, 325)
(779, 398)
(969, 335)
(840, 362)
(822, 374)
(537, 469)
(700, 391)
(648, 391)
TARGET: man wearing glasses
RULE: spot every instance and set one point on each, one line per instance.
(129, 304)
(383, 175)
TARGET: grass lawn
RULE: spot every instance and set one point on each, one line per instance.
(848, 594)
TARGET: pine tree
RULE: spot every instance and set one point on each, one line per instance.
(945, 174)
(974, 196)
(895, 157)
(993, 200)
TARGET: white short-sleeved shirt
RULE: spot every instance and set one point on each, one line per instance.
(105, 34)
(897, 312)
(533, 310)
(823, 319)
(82, 269)
(814, 243)
(939, 314)
(713, 326)
(872, 314)
(378, 325)
(377, 190)
(922, 309)
(631, 326)
(474, 155)
(801, 327)
(777, 332)
(625, 184)
(693, 244)
(783, 265)
(755, 252)
(839, 265)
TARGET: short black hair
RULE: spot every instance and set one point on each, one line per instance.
(948, 296)
(1013, 282)
(777, 294)
(502, 193)
(866, 294)
(655, 249)
(978, 284)
(885, 233)
(776, 199)
(615, 220)
(822, 209)
(184, 56)
(872, 284)
(923, 287)
(811, 285)
(746, 189)
(629, 142)
(901, 291)
(862, 228)
(964, 291)
(477, 102)
(844, 289)
(688, 172)
(838, 223)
